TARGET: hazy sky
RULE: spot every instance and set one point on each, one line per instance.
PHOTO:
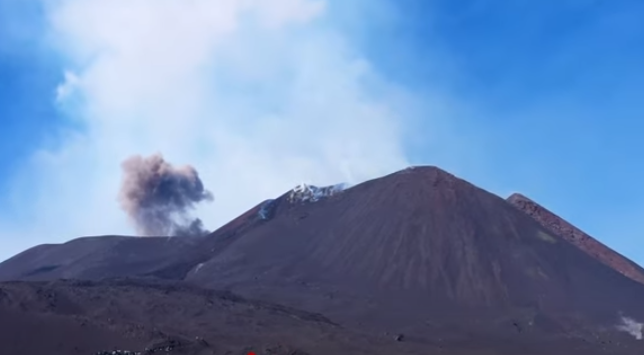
(542, 97)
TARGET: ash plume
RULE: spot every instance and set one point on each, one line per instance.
(159, 197)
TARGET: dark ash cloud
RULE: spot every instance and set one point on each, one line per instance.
(159, 197)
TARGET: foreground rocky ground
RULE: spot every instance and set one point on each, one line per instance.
(125, 317)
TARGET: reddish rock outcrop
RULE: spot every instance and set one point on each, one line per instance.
(574, 235)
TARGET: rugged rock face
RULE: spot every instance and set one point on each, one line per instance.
(574, 235)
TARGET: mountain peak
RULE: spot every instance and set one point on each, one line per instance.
(423, 176)
(426, 170)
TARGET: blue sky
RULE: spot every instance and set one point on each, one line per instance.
(538, 97)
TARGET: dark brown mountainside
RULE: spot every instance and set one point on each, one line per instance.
(418, 252)
(421, 246)
(574, 235)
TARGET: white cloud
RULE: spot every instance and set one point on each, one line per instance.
(67, 87)
(257, 95)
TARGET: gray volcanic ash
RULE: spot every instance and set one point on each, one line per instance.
(158, 196)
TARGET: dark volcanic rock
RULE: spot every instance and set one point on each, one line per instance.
(97, 257)
(574, 235)
(146, 317)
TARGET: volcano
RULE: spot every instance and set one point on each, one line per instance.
(429, 259)
(427, 247)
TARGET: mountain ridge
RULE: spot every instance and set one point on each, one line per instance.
(576, 236)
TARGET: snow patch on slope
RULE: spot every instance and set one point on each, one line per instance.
(199, 266)
(311, 193)
(266, 210)
(631, 327)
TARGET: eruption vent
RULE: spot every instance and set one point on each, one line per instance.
(158, 196)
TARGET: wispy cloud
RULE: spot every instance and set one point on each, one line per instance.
(257, 95)
(67, 87)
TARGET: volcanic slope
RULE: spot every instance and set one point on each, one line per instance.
(95, 258)
(574, 235)
(421, 249)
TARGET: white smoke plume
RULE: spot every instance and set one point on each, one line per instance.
(631, 327)
(272, 93)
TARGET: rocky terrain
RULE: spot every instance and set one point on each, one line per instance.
(126, 317)
(416, 262)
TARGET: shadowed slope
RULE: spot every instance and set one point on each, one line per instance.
(96, 258)
(574, 235)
